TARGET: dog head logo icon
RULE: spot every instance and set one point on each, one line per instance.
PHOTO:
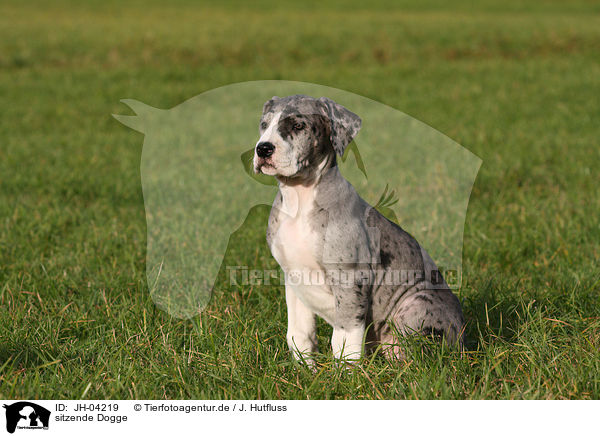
(26, 415)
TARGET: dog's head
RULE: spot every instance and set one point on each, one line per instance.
(300, 136)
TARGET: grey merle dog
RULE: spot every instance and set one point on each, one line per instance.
(342, 260)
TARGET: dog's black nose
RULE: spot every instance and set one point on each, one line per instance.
(265, 149)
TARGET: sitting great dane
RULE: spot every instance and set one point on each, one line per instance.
(342, 259)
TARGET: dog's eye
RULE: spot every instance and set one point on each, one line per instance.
(298, 126)
(263, 125)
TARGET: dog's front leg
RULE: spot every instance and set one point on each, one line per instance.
(351, 305)
(302, 328)
(347, 342)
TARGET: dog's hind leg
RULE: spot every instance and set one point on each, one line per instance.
(432, 312)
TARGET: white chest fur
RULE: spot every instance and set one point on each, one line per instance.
(294, 246)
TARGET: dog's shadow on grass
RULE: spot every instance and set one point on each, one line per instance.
(23, 356)
(490, 316)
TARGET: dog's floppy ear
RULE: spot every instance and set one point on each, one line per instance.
(344, 124)
(269, 104)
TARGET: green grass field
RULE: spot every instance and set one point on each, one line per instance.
(516, 84)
